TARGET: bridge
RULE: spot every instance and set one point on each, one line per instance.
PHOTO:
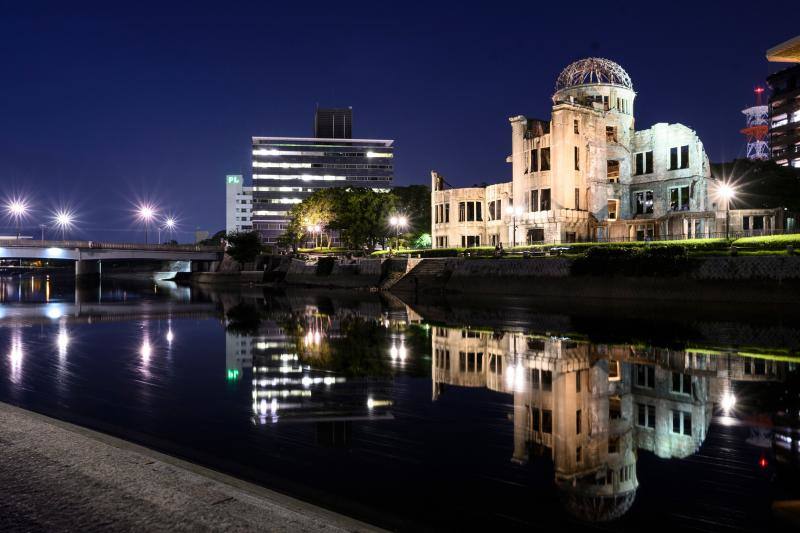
(89, 255)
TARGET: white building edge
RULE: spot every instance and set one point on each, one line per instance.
(588, 175)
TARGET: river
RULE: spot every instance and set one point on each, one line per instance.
(440, 413)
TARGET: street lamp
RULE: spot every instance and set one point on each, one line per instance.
(146, 213)
(17, 209)
(726, 192)
(169, 225)
(314, 230)
(514, 212)
(398, 222)
(63, 220)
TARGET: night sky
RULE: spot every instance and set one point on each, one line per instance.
(108, 103)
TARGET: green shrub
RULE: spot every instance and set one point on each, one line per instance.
(440, 252)
(769, 242)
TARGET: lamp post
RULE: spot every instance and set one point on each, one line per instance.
(398, 222)
(169, 225)
(63, 220)
(514, 212)
(17, 210)
(314, 230)
(726, 192)
(146, 213)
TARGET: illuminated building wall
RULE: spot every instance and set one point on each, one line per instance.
(585, 174)
(784, 121)
(287, 170)
(238, 204)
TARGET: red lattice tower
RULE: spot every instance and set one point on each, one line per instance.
(757, 118)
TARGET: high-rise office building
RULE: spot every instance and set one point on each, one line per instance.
(784, 104)
(286, 170)
(333, 123)
(238, 203)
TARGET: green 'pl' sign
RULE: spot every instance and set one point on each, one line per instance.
(234, 178)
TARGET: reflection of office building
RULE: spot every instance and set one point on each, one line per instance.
(287, 170)
(290, 381)
(589, 407)
(238, 352)
(238, 203)
(784, 104)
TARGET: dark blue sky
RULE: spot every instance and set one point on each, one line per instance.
(109, 102)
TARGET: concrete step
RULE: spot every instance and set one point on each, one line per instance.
(428, 274)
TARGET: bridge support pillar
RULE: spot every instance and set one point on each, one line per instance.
(203, 266)
(88, 269)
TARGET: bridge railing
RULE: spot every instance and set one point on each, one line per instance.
(99, 245)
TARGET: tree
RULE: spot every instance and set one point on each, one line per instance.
(317, 209)
(214, 240)
(414, 201)
(360, 215)
(423, 241)
(244, 247)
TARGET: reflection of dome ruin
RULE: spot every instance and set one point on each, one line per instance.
(589, 407)
(597, 508)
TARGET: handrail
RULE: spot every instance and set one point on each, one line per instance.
(96, 245)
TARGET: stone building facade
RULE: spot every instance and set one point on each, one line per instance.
(586, 174)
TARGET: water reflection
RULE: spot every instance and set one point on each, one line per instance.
(589, 407)
(15, 356)
(500, 421)
(303, 362)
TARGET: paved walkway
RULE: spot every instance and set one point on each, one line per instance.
(56, 476)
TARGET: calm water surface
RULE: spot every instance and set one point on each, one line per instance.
(435, 414)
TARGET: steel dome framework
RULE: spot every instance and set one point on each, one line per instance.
(593, 70)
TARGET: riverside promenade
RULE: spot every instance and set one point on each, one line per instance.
(56, 476)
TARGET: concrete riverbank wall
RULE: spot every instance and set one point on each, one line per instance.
(772, 278)
(751, 278)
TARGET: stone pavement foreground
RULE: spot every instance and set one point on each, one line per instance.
(55, 476)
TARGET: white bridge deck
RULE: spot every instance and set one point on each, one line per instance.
(99, 251)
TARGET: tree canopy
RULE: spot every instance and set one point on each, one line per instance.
(244, 247)
(360, 215)
(214, 240)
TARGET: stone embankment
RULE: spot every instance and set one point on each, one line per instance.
(742, 279)
(56, 476)
(715, 278)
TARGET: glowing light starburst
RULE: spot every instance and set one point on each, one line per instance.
(63, 220)
(146, 212)
(17, 208)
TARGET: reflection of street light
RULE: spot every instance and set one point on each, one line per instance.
(726, 192)
(728, 402)
(514, 212)
(146, 213)
(398, 222)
